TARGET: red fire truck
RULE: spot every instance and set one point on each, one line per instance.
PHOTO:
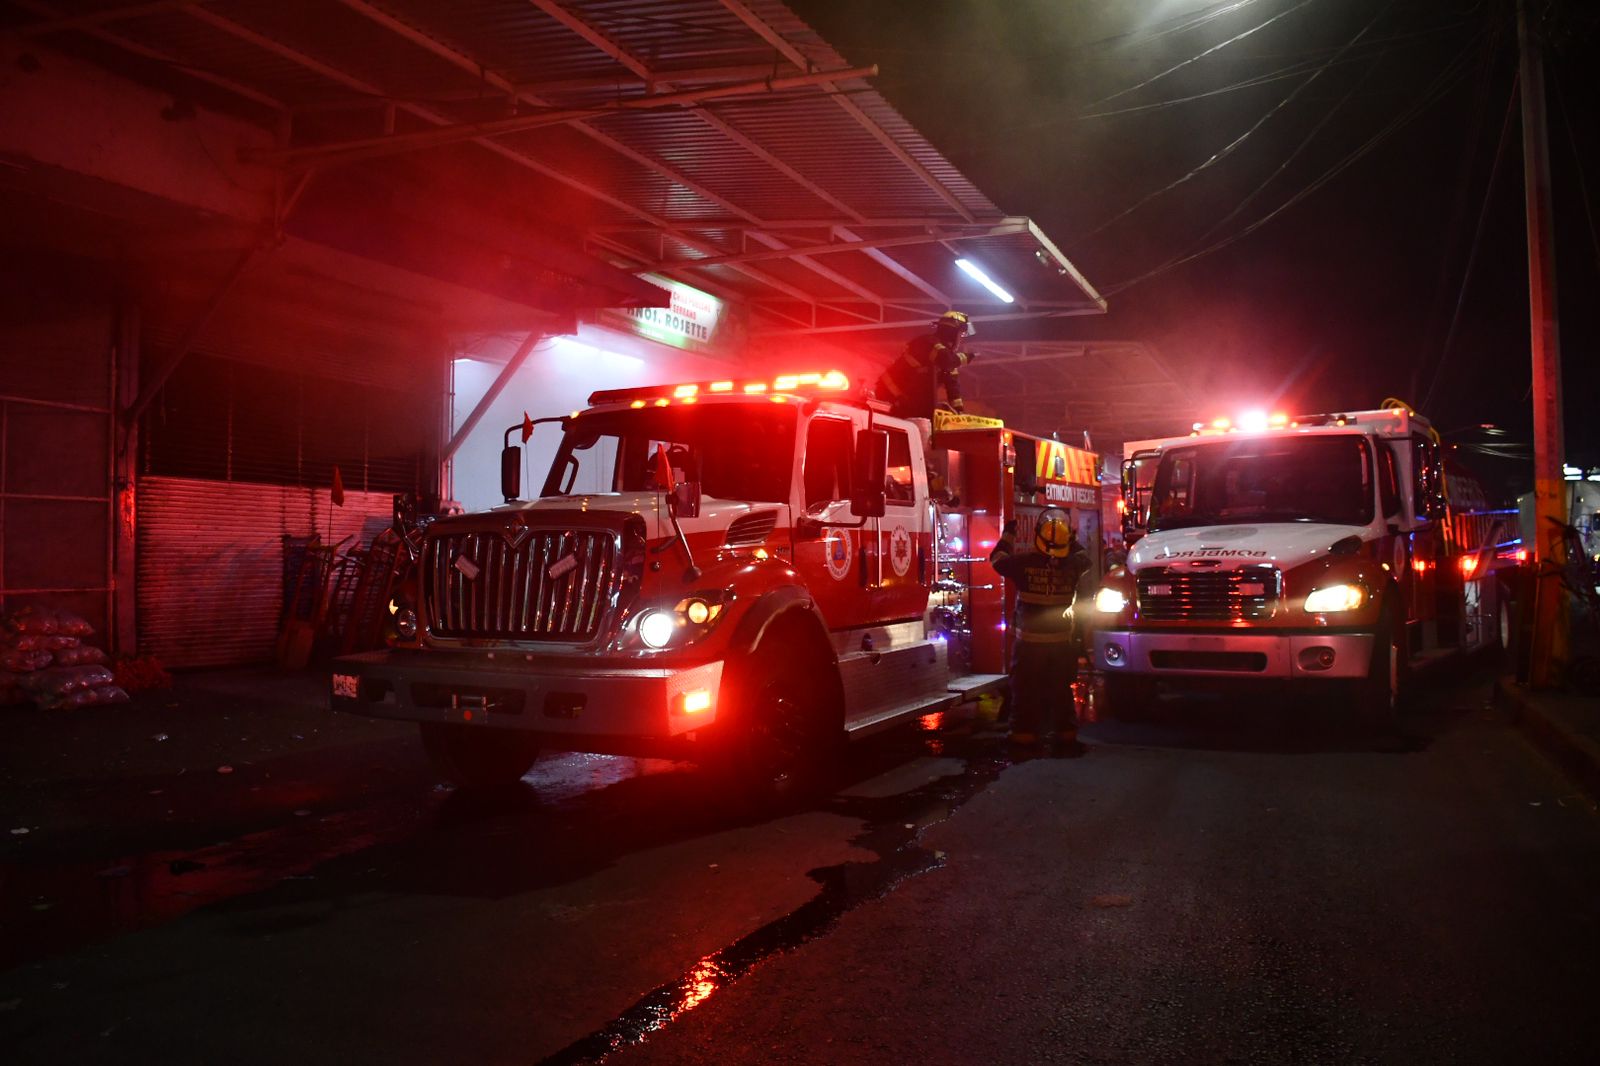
(739, 572)
(1323, 550)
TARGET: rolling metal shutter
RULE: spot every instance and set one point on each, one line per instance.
(211, 557)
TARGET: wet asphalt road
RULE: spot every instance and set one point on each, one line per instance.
(1223, 884)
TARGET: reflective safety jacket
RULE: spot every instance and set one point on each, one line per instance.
(910, 384)
(1045, 586)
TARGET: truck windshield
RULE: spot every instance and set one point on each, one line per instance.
(735, 451)
(1265, 479)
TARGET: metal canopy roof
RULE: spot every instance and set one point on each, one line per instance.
(1114, 390)
(719, 142)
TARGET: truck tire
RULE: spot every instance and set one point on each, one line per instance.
(475, 759)
(784, 740)
(1377, 696)
(1127, 697)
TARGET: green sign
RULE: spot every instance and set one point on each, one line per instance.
(694, 320)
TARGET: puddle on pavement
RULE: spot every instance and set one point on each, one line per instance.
(46, 909)
(894, 826)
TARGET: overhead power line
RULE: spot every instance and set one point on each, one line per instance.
(1368, 50)
(1179, 24)
(1196, 58)
(1231, 146)
(1288, 161)
(1434, 92)
(1294, 71)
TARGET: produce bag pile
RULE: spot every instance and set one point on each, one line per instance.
(44, 660)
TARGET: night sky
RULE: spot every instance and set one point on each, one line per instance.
(1349, 291)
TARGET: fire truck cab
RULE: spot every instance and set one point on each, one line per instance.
(740, 572)
(1323, 550)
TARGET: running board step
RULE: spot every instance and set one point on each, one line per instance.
(972, 686)
(892, 716)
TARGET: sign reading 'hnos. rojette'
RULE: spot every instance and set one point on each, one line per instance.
(694, 320)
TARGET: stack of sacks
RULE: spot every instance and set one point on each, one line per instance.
(43, 658)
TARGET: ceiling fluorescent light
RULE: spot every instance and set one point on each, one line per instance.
(973, 271)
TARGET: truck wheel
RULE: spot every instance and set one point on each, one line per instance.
(785, 735)
(478, 759)
(1126, 697)
(1378, 694)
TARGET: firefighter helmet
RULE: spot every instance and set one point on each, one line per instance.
(1053, 533)
(955, 321)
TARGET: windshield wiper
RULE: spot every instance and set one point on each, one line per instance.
(1187, 521)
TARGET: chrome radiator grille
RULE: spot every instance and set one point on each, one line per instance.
(1208, 596)
(481, 585)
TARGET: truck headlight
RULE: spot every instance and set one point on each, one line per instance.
(1110, 601)
(1335, 598)
(656, 627)
(405, 624)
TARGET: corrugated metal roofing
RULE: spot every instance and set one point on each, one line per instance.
(1114, 390)
(663, 188)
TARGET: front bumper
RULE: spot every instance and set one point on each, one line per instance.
(1180, 653)
(627, 703)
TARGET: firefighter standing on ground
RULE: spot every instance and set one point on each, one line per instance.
(1044, 658)
(911, 383)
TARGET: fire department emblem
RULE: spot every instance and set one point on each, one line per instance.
(900, 550)
(837, 548)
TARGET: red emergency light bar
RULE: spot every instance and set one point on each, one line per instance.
(807, 384)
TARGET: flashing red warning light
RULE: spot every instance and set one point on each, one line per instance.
(1469, 566)
(697, 701)
(664, 395)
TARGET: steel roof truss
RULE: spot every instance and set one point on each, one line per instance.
(795, 56)
(827, 248)
(895, 267)
(350, 81)
(138, 49)
(772, 225)
(453, 133)
(477, 69)
(777, 248)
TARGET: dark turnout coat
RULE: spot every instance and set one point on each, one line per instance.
(911, 383)
(1045, 586)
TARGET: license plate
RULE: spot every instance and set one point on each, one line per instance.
(469, 708)
(1160, 590)
(346, 686)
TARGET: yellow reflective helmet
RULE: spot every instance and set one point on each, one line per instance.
(955, 320)
(1053, 533)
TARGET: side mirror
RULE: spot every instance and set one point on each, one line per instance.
(511, 473)
(686, 499)
(1137, 488)
(867, 495)
(1026, 476)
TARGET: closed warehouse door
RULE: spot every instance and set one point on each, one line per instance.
(211, 561)
(236, 457)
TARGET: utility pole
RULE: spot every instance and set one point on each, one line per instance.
(1550, 634)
